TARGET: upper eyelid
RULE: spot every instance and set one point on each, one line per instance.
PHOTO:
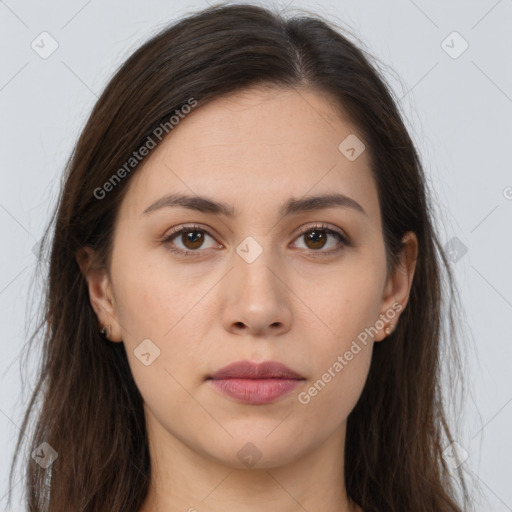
(300, 229)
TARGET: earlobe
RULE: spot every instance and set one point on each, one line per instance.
(100, 292)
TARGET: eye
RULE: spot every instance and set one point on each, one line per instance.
(192, 238)
(316, 238)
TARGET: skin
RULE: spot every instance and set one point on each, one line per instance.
(253, 150)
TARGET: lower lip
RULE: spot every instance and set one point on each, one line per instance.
(255, 391)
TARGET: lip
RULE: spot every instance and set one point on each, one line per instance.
(254, 383)
(250, 370)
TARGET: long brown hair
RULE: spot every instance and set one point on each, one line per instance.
(91, 411)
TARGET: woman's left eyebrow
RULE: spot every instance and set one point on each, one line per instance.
(290, 207)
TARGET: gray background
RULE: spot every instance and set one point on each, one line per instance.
(458, 111)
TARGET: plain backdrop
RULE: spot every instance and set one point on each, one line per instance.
(455, 93)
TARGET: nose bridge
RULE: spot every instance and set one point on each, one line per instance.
(254, 260)
(255, 290)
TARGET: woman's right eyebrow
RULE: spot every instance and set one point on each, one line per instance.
(290, 207)
(198, 203)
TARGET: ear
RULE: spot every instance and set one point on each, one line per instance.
(398, 286)
(100, 293)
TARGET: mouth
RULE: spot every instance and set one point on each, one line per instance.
(253, 383)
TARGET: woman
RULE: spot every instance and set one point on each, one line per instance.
(244, 297)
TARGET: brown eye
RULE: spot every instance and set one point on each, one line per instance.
(188, 240)
(315, 239)
(192, 239)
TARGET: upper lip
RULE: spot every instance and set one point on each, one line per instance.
(250, 370)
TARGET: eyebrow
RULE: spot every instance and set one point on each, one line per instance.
(292, 206)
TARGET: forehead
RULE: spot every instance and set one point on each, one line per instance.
(257, 145)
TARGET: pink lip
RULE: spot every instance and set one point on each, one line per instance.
(254, 383)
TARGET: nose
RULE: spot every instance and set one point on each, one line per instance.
(257, 297)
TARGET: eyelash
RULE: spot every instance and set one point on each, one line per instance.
(315, 253)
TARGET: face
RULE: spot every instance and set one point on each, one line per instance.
(270, 277)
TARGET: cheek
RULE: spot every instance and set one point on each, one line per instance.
(152, 294)
(325, 404)
(341, 307)
(346, 306)
(158, 304)
(340, 365)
